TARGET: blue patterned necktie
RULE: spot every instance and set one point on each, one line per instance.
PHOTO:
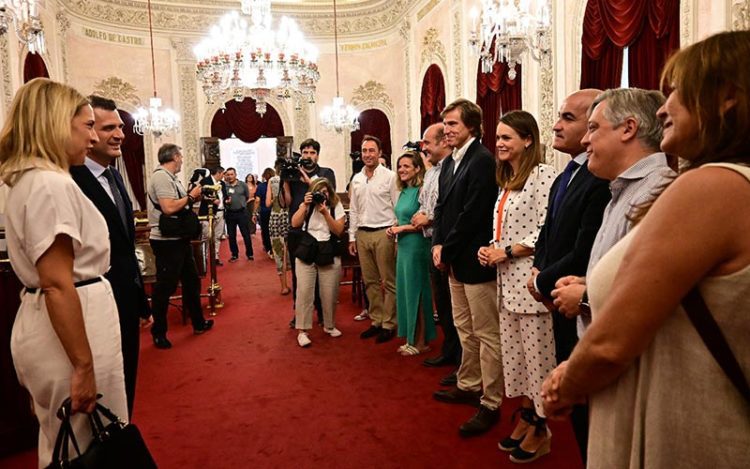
(562, 188)
(119, 202)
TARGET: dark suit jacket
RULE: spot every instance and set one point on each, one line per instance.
(203, 209)
(463, 213)
(124, 273)
(565, 242)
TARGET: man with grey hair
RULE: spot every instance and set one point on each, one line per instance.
(622, 142)
(174, 255)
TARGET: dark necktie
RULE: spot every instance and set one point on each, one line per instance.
(119, 202)
(562, 188)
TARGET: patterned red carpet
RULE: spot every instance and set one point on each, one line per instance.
(245, 395)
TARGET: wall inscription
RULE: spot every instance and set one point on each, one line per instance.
(113, 37)
(364, 45)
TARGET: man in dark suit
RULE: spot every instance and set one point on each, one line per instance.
(103, 184)
(463, 224)
(216, 177)
(576, 206)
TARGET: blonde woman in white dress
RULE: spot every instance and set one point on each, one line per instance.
(526, 335)
(66, 336)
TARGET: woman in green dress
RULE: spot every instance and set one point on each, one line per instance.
(413, 293)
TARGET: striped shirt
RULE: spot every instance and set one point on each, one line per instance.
(429, 194)
(630, 189)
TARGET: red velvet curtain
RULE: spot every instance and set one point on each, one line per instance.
(649, 28)
(134, 158)
(240, 119)
(496, 94)
(373, 122)
(433, 97)
(34, 67)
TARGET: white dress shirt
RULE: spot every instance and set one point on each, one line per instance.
(458, 153)
(98, 171)
(373, 200)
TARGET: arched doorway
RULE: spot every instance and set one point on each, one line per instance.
(133, 161)
(433, 97)
(496, 95)
(372, 122)
(34, 67)
(240, 120)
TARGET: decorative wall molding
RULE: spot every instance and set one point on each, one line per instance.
(741, 15)
(301, 120)
(119, 90)
(189, 117)
(426, 9)
(63, 25)
(189, 17)
(546, 100)
(5, 67)
(372, 95)
(432, 48)
(458, 46)
(687, 29)
(406, 34)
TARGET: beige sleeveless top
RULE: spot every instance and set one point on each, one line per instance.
(675, 407)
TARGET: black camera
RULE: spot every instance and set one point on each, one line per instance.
(355, 155)
(319, 198)
(307, 163)
(413, 146)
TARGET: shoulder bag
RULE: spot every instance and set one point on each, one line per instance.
(183, 224)
(302, 244)
(116, 445)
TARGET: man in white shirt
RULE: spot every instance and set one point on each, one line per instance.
(373, 197)
(216, 177)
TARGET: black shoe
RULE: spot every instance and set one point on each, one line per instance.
(233, 259)
(206, 326)
(385, 335)
(480, 423)
(450, 380)
(435, 362)
(218, 262)
(293, 323)
(458, 396)
(510, 443)
(250, 258)
(371, 331)
(161, 341)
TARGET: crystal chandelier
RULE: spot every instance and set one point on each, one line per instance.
(339, 117)
(508, 29)
(28, 25)
(241, 58)
(153, 120)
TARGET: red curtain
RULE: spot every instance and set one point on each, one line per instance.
(240, 119)
(373, 122)
(433, 97)
(649, 28)
(134, 158)
(34, 67)
(496, 94)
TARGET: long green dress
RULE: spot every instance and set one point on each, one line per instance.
(412, 272)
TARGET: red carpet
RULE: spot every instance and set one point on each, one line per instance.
(245, 395)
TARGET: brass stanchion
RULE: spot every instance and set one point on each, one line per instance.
(214, 289)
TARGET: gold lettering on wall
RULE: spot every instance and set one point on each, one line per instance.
(364, 45)
(113, 37)
(426, 9)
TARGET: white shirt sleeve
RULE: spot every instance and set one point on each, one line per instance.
(353, 210)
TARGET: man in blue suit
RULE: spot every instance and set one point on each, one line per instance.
(104, 186)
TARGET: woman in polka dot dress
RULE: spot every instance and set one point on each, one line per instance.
(525, 325)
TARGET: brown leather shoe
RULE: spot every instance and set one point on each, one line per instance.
(480, 423)
(458, 396)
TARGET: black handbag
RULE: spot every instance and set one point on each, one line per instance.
(116, 445)
(302, 244)
(183, 224)
(330, 249)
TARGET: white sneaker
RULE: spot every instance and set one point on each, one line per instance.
(333, 332)
(303, 339)
(362, 316)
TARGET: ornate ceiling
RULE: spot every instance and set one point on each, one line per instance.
(194, 17)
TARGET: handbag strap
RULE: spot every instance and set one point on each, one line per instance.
(189, 205)
(310, 210)
(704, 322)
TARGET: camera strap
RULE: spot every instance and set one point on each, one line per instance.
(309, 215)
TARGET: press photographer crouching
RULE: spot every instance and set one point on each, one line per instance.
(317, 251)
(173, 225)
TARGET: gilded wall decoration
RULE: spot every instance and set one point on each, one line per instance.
(314, 20)
(189, 117)
(119, 90)
(546, 101)
(741, 15)
(301, 120)
(426, 9)
(458, 46)
(63, 25)
(686, 22)
(432, 48)
(372, 92)
(5, 67)
(405, 32)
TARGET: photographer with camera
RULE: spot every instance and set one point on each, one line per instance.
(295, 187)
(217, 199)
(238, 196)
(322, 216)
(174, 255)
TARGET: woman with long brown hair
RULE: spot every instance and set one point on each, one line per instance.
(658, 394)
(526, 335)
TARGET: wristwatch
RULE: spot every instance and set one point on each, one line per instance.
(509, 252)
(584, 305)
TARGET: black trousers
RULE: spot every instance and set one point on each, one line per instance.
(566, 338)
(238, 219)
(265, 218)
(441, 294)
(175, 263)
